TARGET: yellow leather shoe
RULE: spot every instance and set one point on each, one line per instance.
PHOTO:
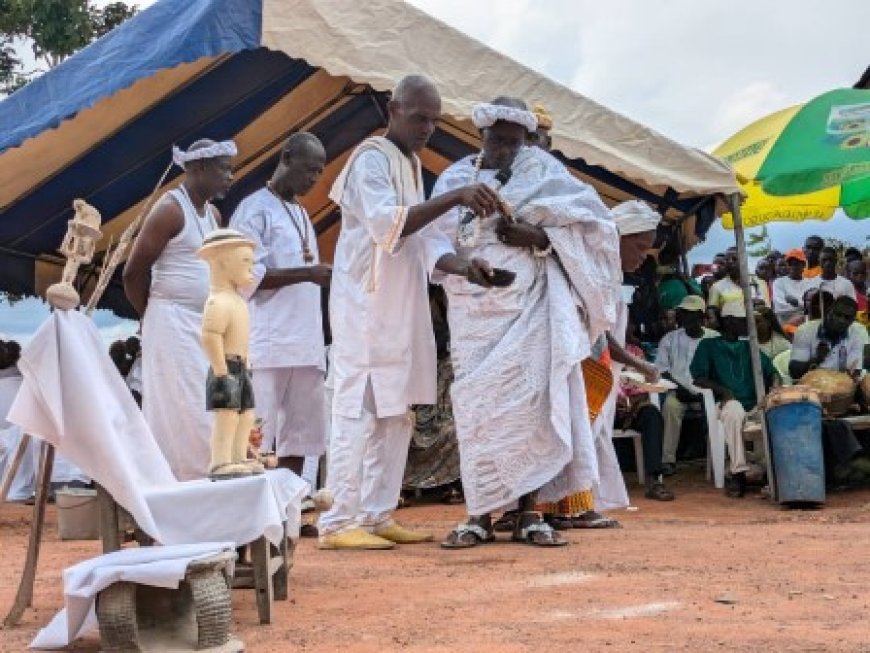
(401, 535)
(355, 539)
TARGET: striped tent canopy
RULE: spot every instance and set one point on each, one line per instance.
(100, 126)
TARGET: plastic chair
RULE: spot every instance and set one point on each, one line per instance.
(715, 439)
(638, 442)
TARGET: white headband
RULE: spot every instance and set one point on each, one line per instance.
(486, 115)
(634, 217)
(224, 148)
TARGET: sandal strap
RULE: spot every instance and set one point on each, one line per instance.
(471, 529)
(537, 527)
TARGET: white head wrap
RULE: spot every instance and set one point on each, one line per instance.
(224, 148)
(486, 115)
(634, 217)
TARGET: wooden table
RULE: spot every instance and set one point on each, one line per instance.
(270, 565)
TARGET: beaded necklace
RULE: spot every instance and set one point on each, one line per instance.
(299, 225)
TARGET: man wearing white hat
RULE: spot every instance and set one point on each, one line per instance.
(167, 284)
(673, 357)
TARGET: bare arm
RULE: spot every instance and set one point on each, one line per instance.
(320, 274)
(162, 225)
(479, 198)
(476, 270)
(620, 355)
(719, 391)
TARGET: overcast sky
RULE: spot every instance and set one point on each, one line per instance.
(696, 71)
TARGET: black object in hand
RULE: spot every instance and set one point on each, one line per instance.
(503, 176)
(501, 277)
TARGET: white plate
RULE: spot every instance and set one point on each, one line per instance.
(637, 381)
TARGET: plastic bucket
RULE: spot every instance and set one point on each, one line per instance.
(795, 434)
(78, 514)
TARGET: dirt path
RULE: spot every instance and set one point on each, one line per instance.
(797, 581)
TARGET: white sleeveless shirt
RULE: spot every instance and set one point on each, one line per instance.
(178, 274)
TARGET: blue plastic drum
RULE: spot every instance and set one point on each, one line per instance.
(794, 433)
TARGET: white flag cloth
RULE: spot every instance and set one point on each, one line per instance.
(157, 566)
(74, 397)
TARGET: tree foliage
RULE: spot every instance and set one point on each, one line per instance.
(54, 29)
(758, 245)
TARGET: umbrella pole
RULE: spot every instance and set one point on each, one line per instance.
(755, 352)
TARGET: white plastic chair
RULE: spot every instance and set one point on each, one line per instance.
(638, 442)
(715, 439)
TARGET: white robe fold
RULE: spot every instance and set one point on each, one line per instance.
(518, 396)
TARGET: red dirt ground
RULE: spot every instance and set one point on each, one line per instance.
(797, 579)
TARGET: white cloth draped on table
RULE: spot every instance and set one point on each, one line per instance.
(518, 395)
(157, 566)
(74, 398)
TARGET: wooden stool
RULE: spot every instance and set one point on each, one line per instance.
(267, 575)
(195, 616)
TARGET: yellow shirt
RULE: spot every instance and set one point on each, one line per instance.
(812, 273)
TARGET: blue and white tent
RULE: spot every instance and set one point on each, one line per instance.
(101, 125)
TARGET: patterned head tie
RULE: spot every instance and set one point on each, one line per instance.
(634, 217)
(486, 115)
(224, 148)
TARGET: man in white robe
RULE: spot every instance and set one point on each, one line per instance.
(383, 347)
(167, 284)
(287, 349)
(518, 395)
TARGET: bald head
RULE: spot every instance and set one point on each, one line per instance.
(412, 87)
(414, 108)
(300, 165)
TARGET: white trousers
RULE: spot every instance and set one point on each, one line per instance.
(290, 401)
(731, 414)
(365, 466)
(673, 411)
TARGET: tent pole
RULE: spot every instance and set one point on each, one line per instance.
(755, 352)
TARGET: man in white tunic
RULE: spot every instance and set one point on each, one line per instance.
(518, 395)
(383, 345)
(167, 284)
(287, 349)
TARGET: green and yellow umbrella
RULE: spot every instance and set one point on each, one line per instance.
(805, 162)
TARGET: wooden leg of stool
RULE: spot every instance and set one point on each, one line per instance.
(24, 597)
(12, 470)
(261, 563)
(109, 527)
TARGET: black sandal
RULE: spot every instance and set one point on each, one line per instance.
(507, 523)
(467, 536)
(532, 529)
(596, 520)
